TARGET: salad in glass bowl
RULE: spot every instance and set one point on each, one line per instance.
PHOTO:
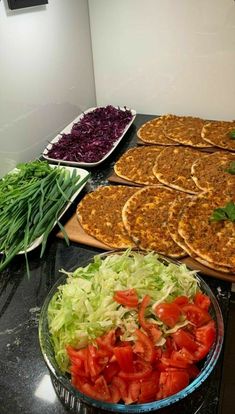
(130, 332)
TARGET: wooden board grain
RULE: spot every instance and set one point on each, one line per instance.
(114, 178)
(76, 234)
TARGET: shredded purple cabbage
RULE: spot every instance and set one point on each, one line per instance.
(93, 136)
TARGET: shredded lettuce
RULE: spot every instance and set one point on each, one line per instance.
(83, 308)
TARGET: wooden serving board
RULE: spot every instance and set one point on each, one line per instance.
(114, 178)
(76, 234)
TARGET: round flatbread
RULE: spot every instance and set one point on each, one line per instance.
(174, 213)
(173, 168)
(136, 165)
(212, 265)
(219, 133)
(145, 217)
(212, 241)
(186, 130)
(212, 171)
(152, 132)
(100, 215)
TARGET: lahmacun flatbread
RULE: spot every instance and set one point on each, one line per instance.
(186, 130)
(212, 241)
(145, 217)
(212, 171)
(212, 265)
(173, 168)
(100, 215)
(152, 132)
(220, 134)
(174, 213)
(136, 165)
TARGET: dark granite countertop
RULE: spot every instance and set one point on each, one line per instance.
(25, 385)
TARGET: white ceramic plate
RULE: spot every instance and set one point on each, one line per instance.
(84, 175)
(67, 130)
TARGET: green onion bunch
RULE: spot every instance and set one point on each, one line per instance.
(32, 197)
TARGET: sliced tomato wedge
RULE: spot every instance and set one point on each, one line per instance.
(183, 355)
(202, 300)
(173, 363)
(152, 329)
(128, 297)
(147, 346)
(110, 371)
(115, 394)
(169, 313)
(122, 385)
(99, 390)
(142, 369)
(124, 356)
(205, 336)
(181, 300)
(141, 314)
(193, 371)
(107, 341)
(184, 339)
(149, 388)
(133, 392)
(171, 382)
(195, 314)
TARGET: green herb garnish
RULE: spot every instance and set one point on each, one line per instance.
(231, 168)
(224, 213)
(232, 134)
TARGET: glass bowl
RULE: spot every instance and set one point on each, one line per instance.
(185, 401)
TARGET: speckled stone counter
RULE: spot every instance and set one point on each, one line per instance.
(25, 385)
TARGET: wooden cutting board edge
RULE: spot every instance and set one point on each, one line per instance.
(76, 234)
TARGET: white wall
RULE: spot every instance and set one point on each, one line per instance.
(46, 75)
(161, 56)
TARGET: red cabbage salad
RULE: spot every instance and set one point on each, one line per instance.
(93, 136)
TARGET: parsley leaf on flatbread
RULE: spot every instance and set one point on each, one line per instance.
(224, 213)
(231, 168)
(232, 134)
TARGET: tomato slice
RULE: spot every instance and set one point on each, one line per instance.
(205, 336)
(99, 390)
(169, 313)
(124, 356)
(121, 384)
(110, 371)
(184, 339)
(115, 394)
(133, 392)
(141, 314)
(149, 388)
(171, 382)
(152, 330)
(107, 341)
(195, 314)
(181, 300)
(173, 363)
(126, 297)
(202, 300)
(142, 369)
(148, 346)
(193, 371)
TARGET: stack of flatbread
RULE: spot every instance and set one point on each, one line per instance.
(183, 189)
(187, 130)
